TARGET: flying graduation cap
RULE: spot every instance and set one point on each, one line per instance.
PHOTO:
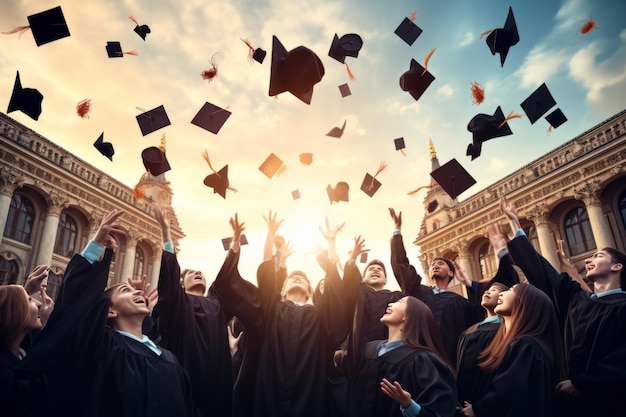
(141, 30)
(500, 40)
(485, 127)
(46, 26)
(155, 161)
(27, 100)
(218, 180)
(407, 30)
(453, 178)
(105, 148)
(211, 117)
(153, 120)
(556, 119)
(337, 132)
(370, 184)
(114, 50)
(348, 45)
(257, 54)
(538, 103)
(243, 240)
(271, 165)
(338, 193)
(417, 79)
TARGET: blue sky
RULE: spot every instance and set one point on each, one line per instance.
(585, 74)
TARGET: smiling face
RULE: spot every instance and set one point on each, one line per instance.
(490, 297)
(602, 265)
(374, 276)
(395, 314)
(33, 322)
(506, 302)
(125, 301)
(297, 283)
(194, 282)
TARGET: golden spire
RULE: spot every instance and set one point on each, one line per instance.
(162, 145)
(431, 148)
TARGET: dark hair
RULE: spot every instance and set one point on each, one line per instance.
(421, 331)
(108, 292)
(303, 275)
(376, 262)
(533, 315)
(450, 265)
(619, 258)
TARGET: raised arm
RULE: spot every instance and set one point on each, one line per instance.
(406, 275)
(568, 267)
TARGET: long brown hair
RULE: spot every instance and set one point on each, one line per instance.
(14, 309)
(420, 329)
(532, 315)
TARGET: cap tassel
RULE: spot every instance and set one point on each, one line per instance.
(478, 93)
(138, 191)
(129, 53)
(413, 16)
(83, 108)
(162, 144)
(18, 29)
(250, 50)
(549, 130)
(487, 32)
(428, 55)
(281, 170)
(412, 193)
(211, 72)
(402, 152)
(350, 74)
(147, 114)
(510, 116)
(381, 168)
(205, 155)
(134, 20)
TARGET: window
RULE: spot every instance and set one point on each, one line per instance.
(138, 269)
(20, 219)
(54, 284)
(622, 207)
(487, 262)
(66, 236)
(8, 271)
(578, 231)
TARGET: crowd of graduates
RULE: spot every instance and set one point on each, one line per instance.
(552, 346)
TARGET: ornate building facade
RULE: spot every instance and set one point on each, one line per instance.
(576, 193)
(52, 202)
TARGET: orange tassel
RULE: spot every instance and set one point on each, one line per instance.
(83, 108)
(413, 15)
(211, 72)
(402, 152)
(129, 53)
(428, 55)
(412, 193)
(588, 26)
(350, 75)
(20, 29)
(234, 190)
(487, 32)
(381, 168)
(134, 20)
(281, 170)
(250, 50)
(510, 116)
(549, 130)
(138, 191)
(478, 93)
(205, 155)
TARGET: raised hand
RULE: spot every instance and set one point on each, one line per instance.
(105, 233)
(397, 218)
(161, 217)
(359, 248)
(508, 209)
(284, 247)
(233, 342)
(46, 307)
(272, 223)
(153, 299)
(37, 279)
(395, 392)
(238, 229)
(496, 238)
(331, 232)
(141, 284)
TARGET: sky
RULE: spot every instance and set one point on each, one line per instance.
(586, 74)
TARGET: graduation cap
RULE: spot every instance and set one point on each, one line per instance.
(271, 164)
(306, 158)
(337, 132)
(417, 79)
(370, 185)
(47, 26)
(114, 50)
(155, 161)
(344, 89)
(408, 31)
(295, 194)
(27, 100)
(338, 193)
(211, 118)
(105, 148)
(218, 181)
(363, 258)
(348, 45)
(556, 118)
(453, 178)
(538, 103)
(243, 240)
(141, 30)
(501, 39)
(296, 71)
(153, 120)
(400, 145)
(257, 54)
(485, 127)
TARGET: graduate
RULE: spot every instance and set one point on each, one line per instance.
(593, 325)
(406, 374)
(92, 351)
(194, 327)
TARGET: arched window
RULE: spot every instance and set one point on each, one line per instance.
(8, 271)
(20, 220)
(487, 261)
(54, 284)
(138, 269)
(622, 207)
(578, 231)
(66, 236)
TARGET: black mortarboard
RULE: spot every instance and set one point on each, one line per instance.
(243, 240)
(538, 103)
(339, 192)
(153, 120)
(501, 39)
(399, 144)
(453, 178)
(556, 118)
(363, 258)
(114, 50)
(271, 164)
(141, 30)
(348, 45)
(48, 26)
(408, 31)
(105, 148)
(155, 161)
(415, 80)
(296, 71)
(295, 194)
(27, 100)
(485, 127)
(211, 118)
(218, 181)
(259, 55)
(337, 132)
(344, 89)
(370, 185)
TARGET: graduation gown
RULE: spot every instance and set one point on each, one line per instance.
(420, 372)
(94, 371)
(453, 313)
(594, 334)
(523, 385)
(194, 329)
(18, 393)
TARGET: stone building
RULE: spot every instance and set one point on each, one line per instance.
(576, 193)
(52, 202)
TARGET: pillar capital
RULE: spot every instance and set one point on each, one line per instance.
(589, 193)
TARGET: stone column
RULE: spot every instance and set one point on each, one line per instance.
(129, 255)
(464, 258)
(156, 268)
(547, 244)
(589, 193)
(56, 203)
(9, 182)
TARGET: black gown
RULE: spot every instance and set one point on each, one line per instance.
(420, 372)
(453, 313)
(94, 371)
(594, 335)
(523, 385)
(194, 329)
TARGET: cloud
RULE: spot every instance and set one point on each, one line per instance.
(540, 64)
(468, 39)
(445, 91)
